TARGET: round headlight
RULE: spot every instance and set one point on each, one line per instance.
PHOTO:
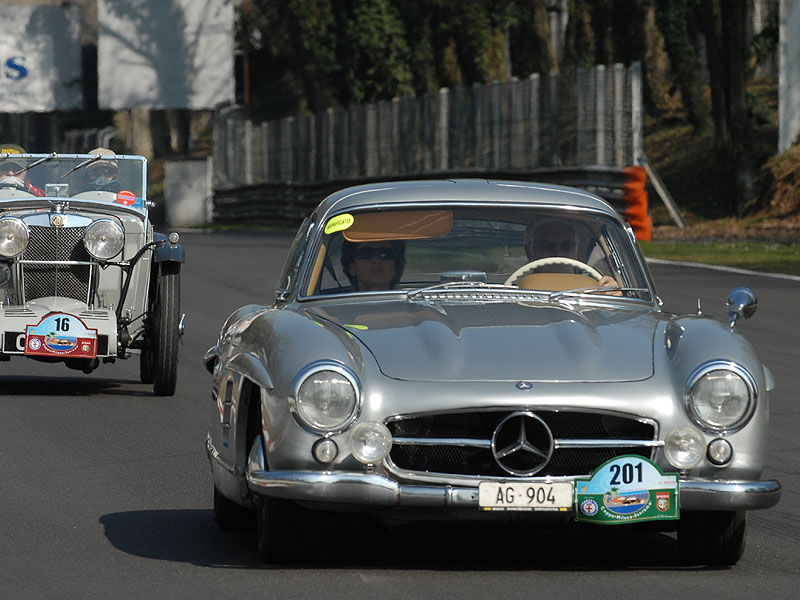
(104, 239)
(13, 236)
(325, 398)
(720, 451)
(684, 447)
(720, 396)
(370, 442)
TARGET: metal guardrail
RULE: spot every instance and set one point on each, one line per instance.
(288, 203)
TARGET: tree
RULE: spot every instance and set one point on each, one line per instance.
(729, 46)
(675, 18)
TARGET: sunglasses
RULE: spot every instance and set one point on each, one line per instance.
(368, 253)
(549, 246)
(102, 171)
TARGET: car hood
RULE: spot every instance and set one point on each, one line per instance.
(501, 342)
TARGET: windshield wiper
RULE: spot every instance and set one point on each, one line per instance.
(88, 161)
(36, 163)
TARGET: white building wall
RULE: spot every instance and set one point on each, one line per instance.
(156, 54)
(789, 79)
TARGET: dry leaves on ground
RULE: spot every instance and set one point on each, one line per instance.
(773, 230)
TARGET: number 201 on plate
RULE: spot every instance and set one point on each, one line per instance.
(494, 495)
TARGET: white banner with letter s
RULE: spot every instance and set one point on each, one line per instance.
(40, 58)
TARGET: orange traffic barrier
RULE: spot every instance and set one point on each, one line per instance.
(635, 211)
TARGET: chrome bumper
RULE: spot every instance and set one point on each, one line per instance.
(377, 490)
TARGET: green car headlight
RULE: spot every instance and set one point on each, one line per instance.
(13, 237)
(720, 396)
(104, 239)
(325, 397)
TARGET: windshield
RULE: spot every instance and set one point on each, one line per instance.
(110, 178)
(519, 247)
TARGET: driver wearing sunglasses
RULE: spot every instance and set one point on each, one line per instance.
(373, 266)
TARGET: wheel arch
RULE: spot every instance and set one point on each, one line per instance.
(251, 382)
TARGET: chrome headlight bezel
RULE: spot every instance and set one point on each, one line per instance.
(104, 238)
(20, 234)
(698, 407)
(303, 406)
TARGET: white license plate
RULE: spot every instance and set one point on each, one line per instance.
(517, 495)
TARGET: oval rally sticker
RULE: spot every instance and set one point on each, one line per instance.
(127, 198)
(339, 223)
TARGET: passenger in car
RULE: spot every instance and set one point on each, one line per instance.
(374, 266)
(103, 174)
(12, 173)
(556, 237)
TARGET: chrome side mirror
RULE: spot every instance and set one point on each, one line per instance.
(741, 303)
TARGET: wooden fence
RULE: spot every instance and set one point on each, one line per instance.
(587, 118)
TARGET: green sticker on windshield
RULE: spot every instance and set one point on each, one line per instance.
(339, 223)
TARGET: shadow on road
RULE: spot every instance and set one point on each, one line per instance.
(70, 386)
(191, 536)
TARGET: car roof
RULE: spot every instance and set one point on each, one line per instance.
(463, 190)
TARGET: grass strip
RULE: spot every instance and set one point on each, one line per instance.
(770, 257)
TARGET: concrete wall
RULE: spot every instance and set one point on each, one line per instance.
(187, 192)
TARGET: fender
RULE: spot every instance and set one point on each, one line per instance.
(166, 251)
(251, 367)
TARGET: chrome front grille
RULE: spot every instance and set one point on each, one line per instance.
(460, 443)
(51, 245)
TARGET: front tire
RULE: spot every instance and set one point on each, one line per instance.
(228, 515)
(274, 522)
(712, 538)
(146, 366)
(166, 336)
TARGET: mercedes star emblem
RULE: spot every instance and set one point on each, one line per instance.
(522, 443)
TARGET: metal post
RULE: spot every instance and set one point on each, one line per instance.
(444, 113)
(600, 115)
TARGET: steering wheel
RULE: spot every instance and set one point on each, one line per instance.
(552, 260)
(10, 181)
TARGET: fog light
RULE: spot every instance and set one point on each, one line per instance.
(325, 451)
(719, 451)
(685, 447)
(370, 442)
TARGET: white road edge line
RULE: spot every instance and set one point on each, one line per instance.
(680, 263)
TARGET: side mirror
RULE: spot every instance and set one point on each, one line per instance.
(741, 303)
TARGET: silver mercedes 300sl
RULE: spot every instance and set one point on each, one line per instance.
(485, 347)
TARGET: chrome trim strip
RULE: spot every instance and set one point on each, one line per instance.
(565, 443)
(607, 443)
(468, 442)
(214, 456)
(59, 262)
(376, 490)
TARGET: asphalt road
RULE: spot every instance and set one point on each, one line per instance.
(105, 490)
